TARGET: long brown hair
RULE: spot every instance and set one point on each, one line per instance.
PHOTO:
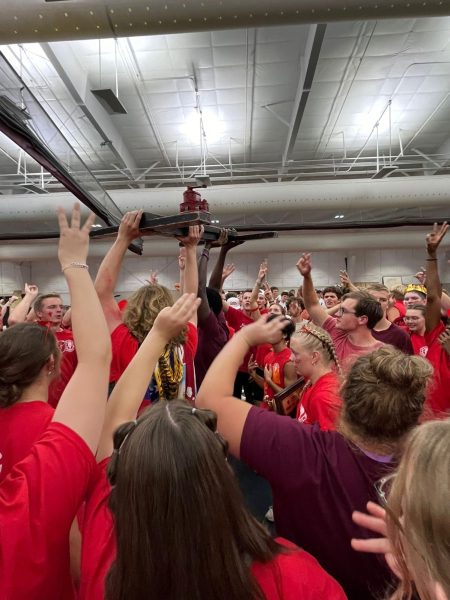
(24, 351)
(182, 530)
(418, 515)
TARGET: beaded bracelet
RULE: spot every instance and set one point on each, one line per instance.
(75, 265)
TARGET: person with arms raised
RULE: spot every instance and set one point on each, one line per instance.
(40, 497)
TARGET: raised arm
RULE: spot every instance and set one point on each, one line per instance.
(204, 308)
(127, 395)
(316, 312)
(108, 272)
(434, 288)
(82, 404)
(190, 280)
(347, 282)
(215, 280)
(255, 291)
(20, 312)
(216, 391)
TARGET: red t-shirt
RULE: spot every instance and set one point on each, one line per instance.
(347, 352)
(399, 305)
(321, 402)
(20, 426)
(38, 503)
(419, 344)
(125, 346)
(67, 366)
(289, 576)
(238, 319)
(438, 397)
(277, 360)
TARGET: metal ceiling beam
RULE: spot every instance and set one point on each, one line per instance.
(76, 81)
(307, 71)
(38, 20)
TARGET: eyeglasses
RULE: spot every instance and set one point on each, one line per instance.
(344, 311)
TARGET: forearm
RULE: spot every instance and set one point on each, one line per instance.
(258, 380)
(215, 281)
(190, 284)
(203, 309)
(434, 288)
(255, 292)
(310, 297)
(276, 388)
(19, 313)
(126, 398)
(108, 272)
(445, 301)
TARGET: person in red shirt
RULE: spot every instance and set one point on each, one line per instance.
(41, 495)
(48, 311)
(438, 400)
(175, 373)
(144, 535)
(396, 309)
(29, 361)
(315, 360)
(279, 371)
(415, 322)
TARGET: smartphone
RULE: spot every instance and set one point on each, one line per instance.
(259, 371)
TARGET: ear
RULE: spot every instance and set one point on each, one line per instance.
(363, 320)
(50, 364)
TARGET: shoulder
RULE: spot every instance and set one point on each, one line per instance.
(294, 574)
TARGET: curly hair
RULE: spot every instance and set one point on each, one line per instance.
(143, 307)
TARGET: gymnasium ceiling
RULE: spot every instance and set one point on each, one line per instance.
(243, 105)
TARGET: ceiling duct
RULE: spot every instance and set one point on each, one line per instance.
(35, 20)
(110, 101)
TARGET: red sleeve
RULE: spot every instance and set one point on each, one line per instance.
(192, 338)
(234, 318)
(38, 502)
(327, 408)
(99, 544)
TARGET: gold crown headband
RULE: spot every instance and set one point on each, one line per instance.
(416, 287)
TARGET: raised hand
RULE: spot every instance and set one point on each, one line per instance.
(421, 275)
(129, 226)
(227, 270)
(172, 319)
(153, 278)
(434, 238)
(262, 273)
(193, 237)
(31, 290)
(304, 264)
(263, 331)
(73, 239)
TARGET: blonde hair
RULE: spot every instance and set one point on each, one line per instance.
(142, 308)
(316, 339)
(383, 396)
(418, 514)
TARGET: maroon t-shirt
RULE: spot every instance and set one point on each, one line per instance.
(395, 336)
(318, 479)
(212, 336)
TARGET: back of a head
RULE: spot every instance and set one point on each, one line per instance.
(366, 305)
(181, 526)
(398, 293)
(24, 350)
(144, 306)
(419, 500)
(383, 396)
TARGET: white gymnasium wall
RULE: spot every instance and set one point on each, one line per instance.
(363, 265)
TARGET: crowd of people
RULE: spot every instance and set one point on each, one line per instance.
(118, 421)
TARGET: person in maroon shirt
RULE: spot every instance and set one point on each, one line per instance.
(319, 478)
